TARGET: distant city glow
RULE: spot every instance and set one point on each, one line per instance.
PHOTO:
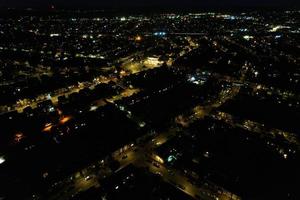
(161, 91)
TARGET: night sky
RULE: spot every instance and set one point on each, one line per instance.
(147, 3)
(141, 3)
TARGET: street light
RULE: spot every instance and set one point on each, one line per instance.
(2, 160)
(138, 38)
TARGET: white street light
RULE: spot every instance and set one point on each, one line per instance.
(2, 160)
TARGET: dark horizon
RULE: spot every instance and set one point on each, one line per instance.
(136, 10)
(134, 4)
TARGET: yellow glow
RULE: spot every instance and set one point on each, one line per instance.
(122, 73)
(138, 38)
(133, 67)
(159, 159)
(199, 112)
(152, 62)
(126, 93)
(182, 121)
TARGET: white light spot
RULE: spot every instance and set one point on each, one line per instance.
(2, 160)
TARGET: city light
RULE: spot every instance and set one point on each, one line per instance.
(93, 108)
(18, 137)
(54, 35)
(276, 28)
(2, 160)
(142, 124)
(160, 33)
(171, 158)
(159, 159)
(138, 38)
(152, 62)
(65, 119)
(248, 37)
(48, 127)
(113, 100)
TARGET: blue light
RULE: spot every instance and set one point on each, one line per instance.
(171, 158)
(160, 33)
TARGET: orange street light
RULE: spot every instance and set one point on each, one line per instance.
(138, 38)
(64, 119)
(48, 127)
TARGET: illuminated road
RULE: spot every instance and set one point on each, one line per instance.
(144, 156)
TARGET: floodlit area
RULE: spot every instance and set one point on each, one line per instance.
(152, 62)
(133, 67)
